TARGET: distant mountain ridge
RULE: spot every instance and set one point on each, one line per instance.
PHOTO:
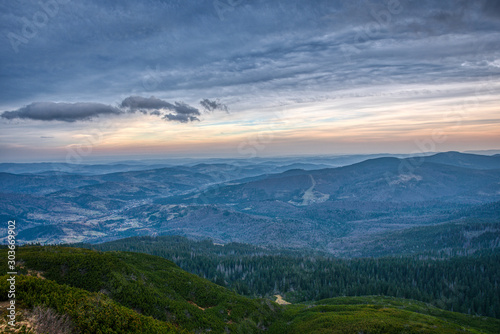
(328, 209)
(380, 179)
(467, 160)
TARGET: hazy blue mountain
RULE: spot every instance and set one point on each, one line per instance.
(347, 210)
(257, 165)
(473, 161)
(68, 168)
(381, 180)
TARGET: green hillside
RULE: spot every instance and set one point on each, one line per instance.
(467, 284)
(375, 314)
(151, 286)
(122, 292)
(88, 312)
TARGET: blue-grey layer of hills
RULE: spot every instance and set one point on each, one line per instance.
(346, 205)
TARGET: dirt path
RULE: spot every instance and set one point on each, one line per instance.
(311, 196)
(281, 301)
(308, 196)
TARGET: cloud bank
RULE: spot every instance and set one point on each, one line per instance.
(66, 112)
(322, 67)
(250, 48)
(144, 103)
(182, 112)
(84, 111)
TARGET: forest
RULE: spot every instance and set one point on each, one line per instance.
(466, 284)
(70, 290)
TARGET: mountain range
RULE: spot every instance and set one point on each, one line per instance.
(347, 210)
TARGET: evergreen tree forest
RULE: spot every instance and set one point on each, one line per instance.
(467, 284)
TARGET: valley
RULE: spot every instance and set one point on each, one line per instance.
(342, 210)
(274, 246)
(250, 167)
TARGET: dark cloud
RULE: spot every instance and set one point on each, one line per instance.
(303, 48)
(492, 8)
(182, 112)
(183, 118)
(72, 112)
(184, 109)
(212, 105)
(66, 112)
(140, 103)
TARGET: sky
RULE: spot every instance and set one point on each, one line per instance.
(246, 78)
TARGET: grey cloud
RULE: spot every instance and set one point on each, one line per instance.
(139, 102)
(82, 111)
(183, 118)
(182, 112)
(128, 45)
(66, 112)
(212, 105)
(492, 8)
(184, 109)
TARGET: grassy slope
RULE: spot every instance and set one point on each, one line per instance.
(376, 314)
(151, 286)
(121, 292)
(89, 312)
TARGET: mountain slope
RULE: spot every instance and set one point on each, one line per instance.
(299, 275)
(376, 314)
(379, 180)
(151, 286)
(86, 312)
(120, 292)
(466, 160)
(322, 209)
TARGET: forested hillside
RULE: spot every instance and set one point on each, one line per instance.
(467, 284)
(148, 285)
(376, 207)
(71, 290)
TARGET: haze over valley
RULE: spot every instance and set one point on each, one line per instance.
(374, 207)
(237, 166)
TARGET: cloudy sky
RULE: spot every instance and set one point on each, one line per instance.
(243, 78)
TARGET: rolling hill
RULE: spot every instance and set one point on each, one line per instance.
(144, 286)
(82, 291)
(376, 180)
(375, 314)
(339, 210)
